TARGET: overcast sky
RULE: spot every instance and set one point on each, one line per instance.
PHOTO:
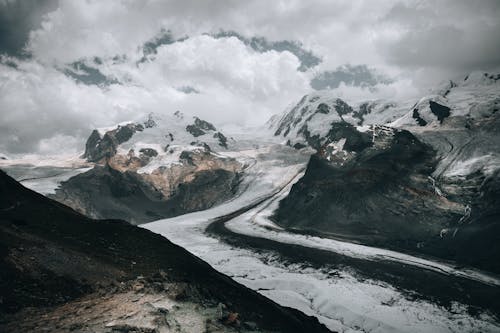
(69, 66)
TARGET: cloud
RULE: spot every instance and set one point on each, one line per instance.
(95, 63)
(357, 75)
(459, 36)
(260, 44)
(235, 84)
(17, 19)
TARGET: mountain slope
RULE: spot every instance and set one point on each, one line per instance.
(59, 270)
(162, 167)
(421, 179)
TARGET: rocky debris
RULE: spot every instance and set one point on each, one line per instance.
(98, 148)
(378, 194)
(298, 145)
(63, 272)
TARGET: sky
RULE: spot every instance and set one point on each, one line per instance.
(67, 67)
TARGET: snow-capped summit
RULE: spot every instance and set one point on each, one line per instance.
(309, 121)
(159, 134)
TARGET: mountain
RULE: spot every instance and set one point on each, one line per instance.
(422, 177)
(162, 167)
(61, 271)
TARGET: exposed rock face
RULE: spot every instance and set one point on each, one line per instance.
(195, 131)
(117, 190)
(441, 111)
(200, 127)
(204, 125)
(98, 148)
(222, 139)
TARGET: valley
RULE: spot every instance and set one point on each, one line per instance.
(370, 216)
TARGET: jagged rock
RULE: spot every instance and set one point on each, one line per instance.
(441, 111)
(204, 125)
(222, 139)
(416, 116)
(98, 148)
(194, 130)
(199, 127)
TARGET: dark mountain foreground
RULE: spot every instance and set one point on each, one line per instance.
(63, 272)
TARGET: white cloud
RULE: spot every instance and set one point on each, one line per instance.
(235, 83)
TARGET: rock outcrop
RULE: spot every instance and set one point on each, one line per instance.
(98, 147)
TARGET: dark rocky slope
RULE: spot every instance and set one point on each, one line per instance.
(104, 192)
(383, 195)
(61, 272)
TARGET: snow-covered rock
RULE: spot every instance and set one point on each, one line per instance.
(159, 132)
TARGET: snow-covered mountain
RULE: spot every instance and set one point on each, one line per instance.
(164, 166)
(159, 135)
(309, 121)
(420, 175)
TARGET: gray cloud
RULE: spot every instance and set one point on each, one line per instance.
(17, 19)
(95, 63)
(260, 44)
(86, 73)
(357, 76)
(455, 35)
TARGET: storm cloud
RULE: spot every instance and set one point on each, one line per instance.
(67, 67)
